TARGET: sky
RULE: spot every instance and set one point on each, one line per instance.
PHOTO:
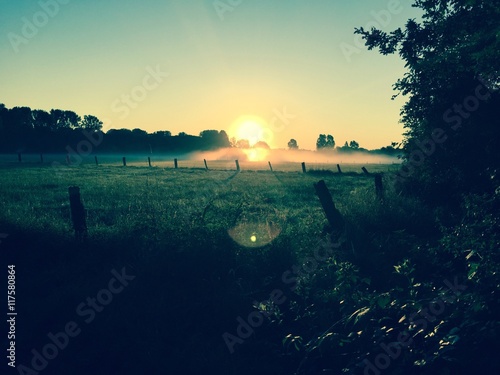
(289, 68)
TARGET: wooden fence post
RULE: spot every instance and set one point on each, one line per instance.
(68, 159)
(365, 171)
(149, 161)
(237, 165)
(379, 187)
(96, 161)
(270, 166)
(338, 168)
(304, 167)
(206, 166)
(41, 158)
(19, 157)
(175, 164)
(124, 159)
(77, 213)
(333, 216)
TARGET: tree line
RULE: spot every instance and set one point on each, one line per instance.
(326, 142)
(26, 130)
(37, 131)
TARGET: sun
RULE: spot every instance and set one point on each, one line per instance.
(251, 128)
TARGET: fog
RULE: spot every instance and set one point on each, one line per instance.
(294, 156)
(252, 158)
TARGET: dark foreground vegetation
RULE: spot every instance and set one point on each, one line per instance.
(318, 299)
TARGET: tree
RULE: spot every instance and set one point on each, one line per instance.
(162, 134)
(243, 143)
(41, 120)
(330, 142)
(321, 142)
(325, 141)
(214, 139)
(292, 144)
(64, 119)
(354, 145)
(91, 123)
(224, 139)
(261, 144)
(451, 82)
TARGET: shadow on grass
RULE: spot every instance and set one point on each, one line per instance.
(188, 288)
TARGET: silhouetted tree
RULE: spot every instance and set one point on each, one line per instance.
(224, 139)
(64, 119)
(354, 145)
(42, 121)
(330, 142)
(452, 87)
(91, 123)
(321, 142)
(213, 139)
(26, 130)
(292, 144)
(162, 133)
(325, 142)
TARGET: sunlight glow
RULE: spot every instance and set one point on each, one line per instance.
(256, 154)
(251, 128)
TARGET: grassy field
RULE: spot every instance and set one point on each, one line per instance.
(205, 248)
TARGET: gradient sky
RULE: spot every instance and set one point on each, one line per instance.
(259, 58)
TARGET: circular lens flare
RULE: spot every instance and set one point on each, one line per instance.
(257, 228)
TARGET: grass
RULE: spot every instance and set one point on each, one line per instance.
(204, 246)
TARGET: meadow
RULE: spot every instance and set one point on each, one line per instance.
(205, 250)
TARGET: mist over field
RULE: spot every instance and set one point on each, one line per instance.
(294, 156)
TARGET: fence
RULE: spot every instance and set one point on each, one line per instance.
(178, 163)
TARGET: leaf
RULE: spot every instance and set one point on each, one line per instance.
(358, 314)
(472, 270)
(383, 300)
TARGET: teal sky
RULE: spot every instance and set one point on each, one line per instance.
(278, 62)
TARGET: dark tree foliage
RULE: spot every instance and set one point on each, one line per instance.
(59, 131)
(354, 145)
(292, 144)
(214, 139)
(91, 123)
(325, 142)
(451, 115)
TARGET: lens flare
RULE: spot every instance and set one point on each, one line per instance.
(257, 228)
